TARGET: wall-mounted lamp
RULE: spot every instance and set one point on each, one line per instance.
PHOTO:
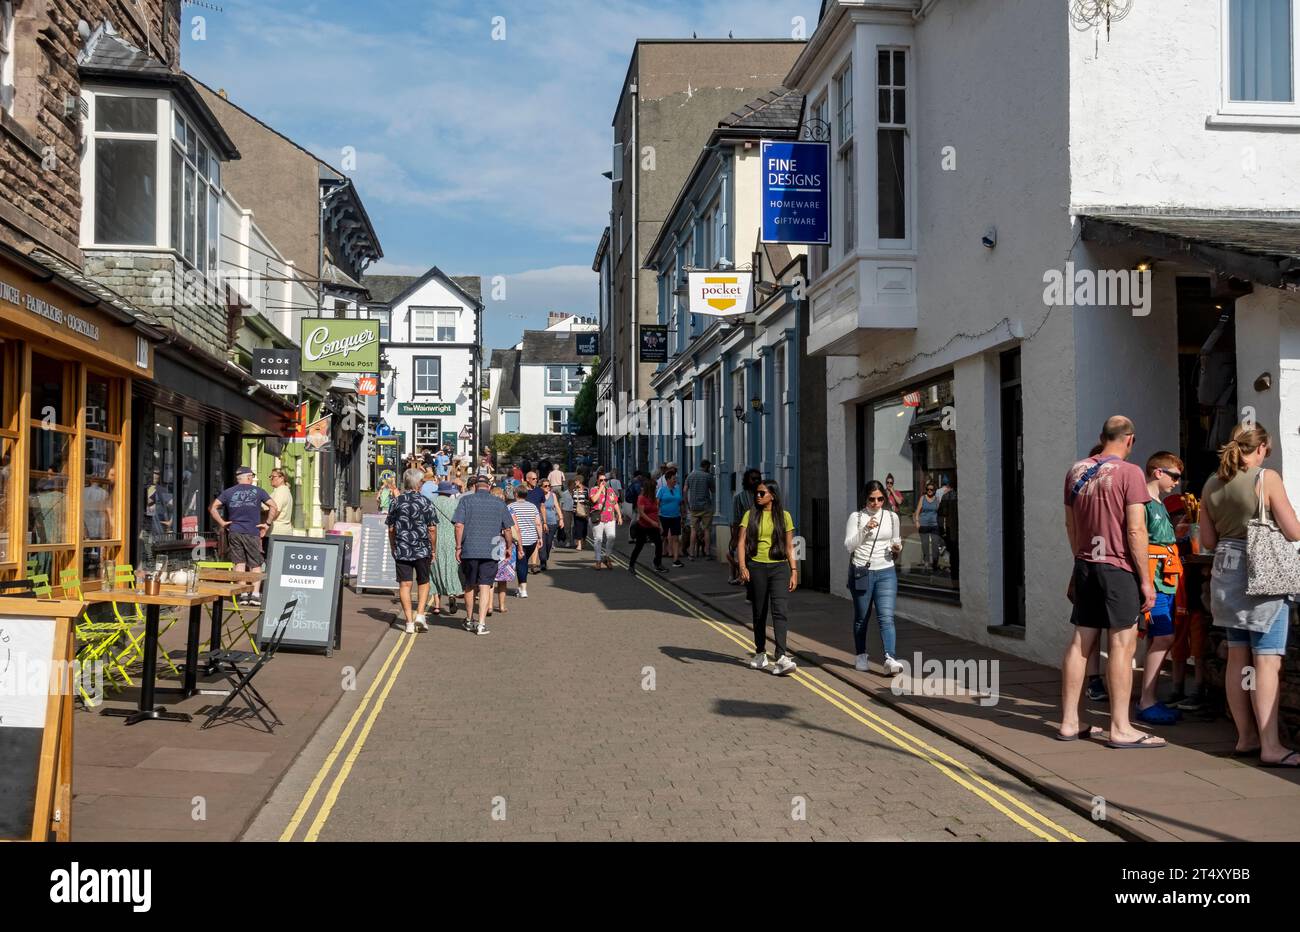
(740, 414)
(1264, 382)
(990, 237)
(1145, 265)
(757, 404)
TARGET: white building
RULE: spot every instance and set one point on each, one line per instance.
(430, 335)
(981, 148)
(533, 385)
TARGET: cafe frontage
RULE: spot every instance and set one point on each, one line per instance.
(71, 357)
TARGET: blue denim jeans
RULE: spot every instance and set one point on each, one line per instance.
(882, 591)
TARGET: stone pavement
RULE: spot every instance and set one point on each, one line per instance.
(548, 729)
(153, 781)
(1193, 790)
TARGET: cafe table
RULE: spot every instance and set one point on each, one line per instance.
(174, 596)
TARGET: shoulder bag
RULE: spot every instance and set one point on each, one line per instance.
(1272, 561)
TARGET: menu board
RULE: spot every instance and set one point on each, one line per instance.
(309, 569)
(375, 568)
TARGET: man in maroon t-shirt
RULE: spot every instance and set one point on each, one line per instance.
(1105, 523)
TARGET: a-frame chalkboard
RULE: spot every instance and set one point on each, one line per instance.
(36, 702)
(309, 570)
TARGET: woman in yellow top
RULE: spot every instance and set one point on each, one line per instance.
(765, 551)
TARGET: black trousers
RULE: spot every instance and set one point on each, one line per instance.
(771, 586)
(642, 535)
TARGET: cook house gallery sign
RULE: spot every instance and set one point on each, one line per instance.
(339, 345)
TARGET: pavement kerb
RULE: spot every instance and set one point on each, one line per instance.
(1121, 821)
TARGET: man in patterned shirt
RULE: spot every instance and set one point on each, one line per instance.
(413, 535)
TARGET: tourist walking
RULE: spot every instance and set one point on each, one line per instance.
(873, 537)
(506, 573)
(1106, 527)
(648, 528)
(580, 510)
(606, 514)
(413, 536)
(741, 504)
(1243, 491)
(670, 509)
(483, 527)
(384, 497)
(530, 532)
(767, 562)
(445, 579)
(566, 512)
(700, 506)
(552, 520)
(926, 518)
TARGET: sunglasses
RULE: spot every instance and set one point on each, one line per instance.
(1176, 476)
(875, 498)
(761, 493)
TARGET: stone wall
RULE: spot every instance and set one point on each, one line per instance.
(537, 447)
(158, 283)
(40, 186)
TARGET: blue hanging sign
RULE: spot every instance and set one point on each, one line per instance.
(796, 190)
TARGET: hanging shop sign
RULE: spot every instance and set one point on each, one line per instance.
(722, 294)
(277, 369)
(796, 192)
(368, 385)
(339, 345)
(442, 408)
(654, 342)
(588, 344)
(318, 435)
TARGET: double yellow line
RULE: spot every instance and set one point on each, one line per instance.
(404, 643)
(1006, 803)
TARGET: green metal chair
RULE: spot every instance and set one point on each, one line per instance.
(95, 639)
(237, 617)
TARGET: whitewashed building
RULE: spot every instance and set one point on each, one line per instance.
(985, 151)
(430, 334)
(533, 385)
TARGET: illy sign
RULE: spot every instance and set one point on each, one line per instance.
(340, 345)
(722, 294)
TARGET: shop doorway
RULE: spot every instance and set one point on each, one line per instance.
(1013, 491)
(1207, 378)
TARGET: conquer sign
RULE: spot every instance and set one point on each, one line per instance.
(340, 345)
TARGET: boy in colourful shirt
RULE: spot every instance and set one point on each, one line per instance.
(1164, 473)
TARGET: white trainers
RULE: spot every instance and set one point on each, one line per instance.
(523, 593)
(469, 625)
(410, 627)
(421, 623)
(785, 665)
(892, 666)
(861, 664)
(481, 628)
(759, 662)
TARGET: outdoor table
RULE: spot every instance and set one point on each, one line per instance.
(208, 575)
(170, 595)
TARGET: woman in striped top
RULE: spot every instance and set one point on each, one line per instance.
(528, 530)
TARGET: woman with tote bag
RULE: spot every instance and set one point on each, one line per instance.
(1235, 506)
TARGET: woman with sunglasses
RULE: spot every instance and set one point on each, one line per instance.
(767, 560)
(893, 497)
(927, 523)
(873, 538)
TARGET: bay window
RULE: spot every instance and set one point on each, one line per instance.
(137, 191)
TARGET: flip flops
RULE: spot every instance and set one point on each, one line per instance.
(1141, 744)
(1282, 764)
(1083, 733)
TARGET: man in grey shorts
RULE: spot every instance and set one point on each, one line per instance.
(245, 528)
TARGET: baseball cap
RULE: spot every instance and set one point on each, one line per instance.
(482, 479)
(244, 471)
(447, 488)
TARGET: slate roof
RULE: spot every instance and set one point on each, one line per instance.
(778, 109)
(507, 360)
(552, 347)
(110, 58)
(472, 285)
(383, 288)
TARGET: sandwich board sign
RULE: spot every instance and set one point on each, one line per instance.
(37, 670)
(376, 568)
(309, 569)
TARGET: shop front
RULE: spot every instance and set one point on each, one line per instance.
(70, 359)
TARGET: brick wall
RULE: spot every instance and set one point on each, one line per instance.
(40, 188)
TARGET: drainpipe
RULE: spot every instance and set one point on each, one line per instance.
(636, 273)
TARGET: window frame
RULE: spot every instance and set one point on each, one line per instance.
(434, 327)
(8, 55)
(1281, 112)
(845, 153)
(505, 420)
(416, 376)
(905, 241)
(567, 376)
(566, 420)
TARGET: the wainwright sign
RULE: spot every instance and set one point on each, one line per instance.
(339, 345)
(722, 294)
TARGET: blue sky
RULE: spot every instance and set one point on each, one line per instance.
(480, 156)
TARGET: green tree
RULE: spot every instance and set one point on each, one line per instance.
(584, 406)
